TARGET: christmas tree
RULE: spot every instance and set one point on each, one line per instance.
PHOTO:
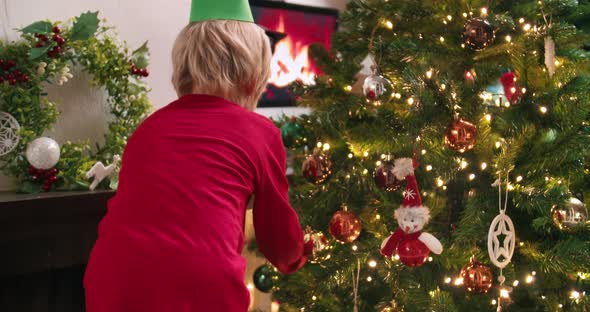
(461, 95)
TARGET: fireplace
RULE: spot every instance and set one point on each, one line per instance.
(302, 26)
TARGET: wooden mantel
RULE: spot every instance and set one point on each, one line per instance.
(45, 240)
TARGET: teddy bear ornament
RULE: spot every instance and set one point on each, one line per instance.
(409, 242)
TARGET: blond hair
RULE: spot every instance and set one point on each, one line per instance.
(228, 59)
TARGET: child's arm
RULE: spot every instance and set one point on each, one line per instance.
(278, 233)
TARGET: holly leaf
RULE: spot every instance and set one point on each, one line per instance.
(85, 26)
(28, 187)
(38, 28)
(36, 53)
(141, 56)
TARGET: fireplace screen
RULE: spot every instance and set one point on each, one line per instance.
(297, 28)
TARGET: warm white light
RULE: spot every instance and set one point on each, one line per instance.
(484, 166)
(354, 247)
(429, 74)
(366, 154)
(378, 163)
(396, 257)
(488, 117)
(389, 24)
(575, 295)
(556, 63)
(484, 11)
(442, 39)
(494, 301)
(504, 293)
(448, 280)
(348, 88)
(510, 187)
(472, 177)
(464, 14)
(440, 182)
(534, 273)
(250, 286)
(450, 18)
(430, 259)
(498, 144)
(513, 90)
(458, 281)
(515, 283)
(464, 164)
(543, 109)
(519, 178)
(423, 152)
(508, 38)
(526, 27)
(428, 168)
(372, 263)
(326, 147)
(444, 187)
(546, 178)
(398, 96)
(319, 144)
(529, 279)
(350, 155)
(314, 298)
(411, 101)
(521, 244)
(443, 86)
(521, 20)
(463, 45)
(523, 90)
(369, 279)
(365, 172)
(560, 306)
(378, 217)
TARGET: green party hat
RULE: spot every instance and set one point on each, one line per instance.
(237, 10)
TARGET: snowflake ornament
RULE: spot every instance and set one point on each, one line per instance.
(9, 137)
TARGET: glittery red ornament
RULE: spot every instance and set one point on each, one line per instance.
(461, 135)
(317, 168)
(384, 177)
(345, 226)
(477, 277)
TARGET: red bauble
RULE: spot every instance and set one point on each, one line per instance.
(412, 252)
(317, 168)
(345, 226)
(461, 135)
(477, 277)
(384, 177)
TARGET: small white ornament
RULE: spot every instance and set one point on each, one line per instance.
(43, 153)
(550, 55)
(100, 172)
(501, 251)
(9, 137)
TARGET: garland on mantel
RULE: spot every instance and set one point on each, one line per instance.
(45, 54)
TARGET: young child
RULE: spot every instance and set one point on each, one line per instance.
(173, 235)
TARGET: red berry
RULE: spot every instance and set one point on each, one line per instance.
(53, 171)
(145, 72)
(17, 73)
(8, 76)
(43, 38)
(12, 82)
(60, 41)
(39, 44)
(57, 49)
(37, 35)
(52, 179)
(25, 78)
(35, 177)
(32, 170)
(11, 64)
(56, 30)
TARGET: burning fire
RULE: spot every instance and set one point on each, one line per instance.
(290, 61)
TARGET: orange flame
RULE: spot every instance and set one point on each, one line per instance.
(290, 62)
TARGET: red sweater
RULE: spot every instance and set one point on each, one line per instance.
(173, 235)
